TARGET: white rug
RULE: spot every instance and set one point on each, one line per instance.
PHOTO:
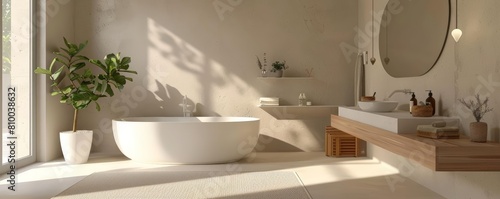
(187, 184)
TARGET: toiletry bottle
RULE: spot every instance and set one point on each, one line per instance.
(413, 101)
(302, 99)
(431, 101)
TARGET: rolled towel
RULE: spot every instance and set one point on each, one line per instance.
(439, 124)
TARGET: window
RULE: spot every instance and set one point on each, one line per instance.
(16, 83)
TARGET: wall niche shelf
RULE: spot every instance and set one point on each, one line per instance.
(290, 112)
(436, 154)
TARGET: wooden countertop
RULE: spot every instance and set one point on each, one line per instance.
(436, 154)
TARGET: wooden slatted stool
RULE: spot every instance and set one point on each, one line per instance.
(341, 144)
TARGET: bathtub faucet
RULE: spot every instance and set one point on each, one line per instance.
(185, 107)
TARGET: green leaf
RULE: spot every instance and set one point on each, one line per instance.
(52, 64)
(119, 79)
(109, 91)
(55, 93)
(99, 64)
(128, 71)
(82, 45)
(62, 55)
(66, 51)
(67, 90)
(66, 43)
(76, 66)
(82, 58)
(80, 97)
(64, 99)
(75, 77)
(42, 71)
(57, 73)
(97, 106)
(126, 60)
(84, 87)
(97, 85)
(87, 73)
(103, 87)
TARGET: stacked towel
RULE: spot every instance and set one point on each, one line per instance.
(438, 131)
(269, 101)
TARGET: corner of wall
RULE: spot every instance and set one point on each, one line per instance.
(51, 116)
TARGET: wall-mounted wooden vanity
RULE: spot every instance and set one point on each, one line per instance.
(436, 154)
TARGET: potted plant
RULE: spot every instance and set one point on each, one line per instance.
(478, 129)
(277, 69)
(79, 85)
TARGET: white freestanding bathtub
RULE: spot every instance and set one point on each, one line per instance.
(186, 140)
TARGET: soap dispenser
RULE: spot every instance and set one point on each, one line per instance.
(431, 101)
(413, 101)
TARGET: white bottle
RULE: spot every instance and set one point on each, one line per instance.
(302, 99)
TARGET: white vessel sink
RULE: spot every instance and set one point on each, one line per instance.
(378, 106)
(395, 121)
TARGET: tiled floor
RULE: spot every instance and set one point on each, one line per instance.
(323, 177)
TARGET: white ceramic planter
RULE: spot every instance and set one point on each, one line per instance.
(76, 145)
(278, 73)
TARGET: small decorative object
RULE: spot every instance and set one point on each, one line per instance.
(278, 68)
(262, 67)
(302, 99)
(368, 98)
(309, 72)
(421, 111)
(478, 129)
(79, 85)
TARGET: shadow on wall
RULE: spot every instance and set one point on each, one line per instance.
(168, 103)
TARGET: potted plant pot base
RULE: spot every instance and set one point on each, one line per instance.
(478, 131)
(278, 73)
(76, 145)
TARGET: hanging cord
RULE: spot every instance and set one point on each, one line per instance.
(372, 60)
(456, 14)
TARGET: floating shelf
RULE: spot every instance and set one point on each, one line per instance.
(436, 154)
(301, 112)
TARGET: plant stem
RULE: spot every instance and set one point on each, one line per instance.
(75, 117)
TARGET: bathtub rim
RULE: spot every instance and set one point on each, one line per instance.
(202, 119)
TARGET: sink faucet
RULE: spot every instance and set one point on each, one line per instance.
(405, 91)
(185, 107)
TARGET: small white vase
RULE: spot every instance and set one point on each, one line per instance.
(76, 145)
(478, 131)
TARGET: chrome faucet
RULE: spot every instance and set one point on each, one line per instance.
(405, 91)
(185, 107)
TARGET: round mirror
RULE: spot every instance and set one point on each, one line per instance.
(413, 35)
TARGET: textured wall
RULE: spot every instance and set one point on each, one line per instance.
(467, 67)
(206, 50)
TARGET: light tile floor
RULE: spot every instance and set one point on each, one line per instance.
(323, 177)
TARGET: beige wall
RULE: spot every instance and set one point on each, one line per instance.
(191, 48)
(52, 117)
(464, 68)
